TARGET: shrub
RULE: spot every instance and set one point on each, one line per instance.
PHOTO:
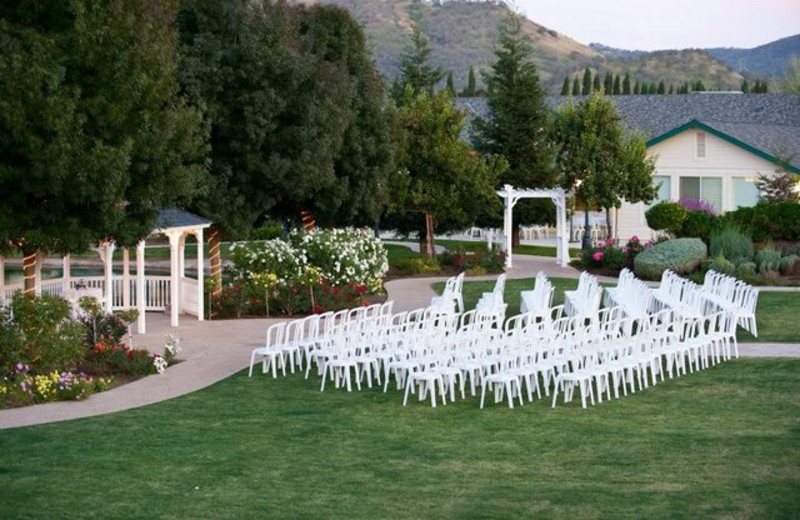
(722, 265)
(698, 205)
(610, 256)
(731, 244)
(666, 216)
(270, 257)
(482, 259)
(768, 260)
(768, 221)
(699, 224)
(409, 266)
(746, 270)
(681, 255)
(790, 265)
(41, 334)
(20, 387)
(268, 231)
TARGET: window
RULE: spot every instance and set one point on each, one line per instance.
(708, 189)
(701, 145)
(662, 183)
(745, 192)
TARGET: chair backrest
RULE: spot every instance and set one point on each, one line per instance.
(275, 334)
(500, 284)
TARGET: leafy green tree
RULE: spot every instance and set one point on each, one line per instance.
(416, 70)
(597, 159)
(576, 87)
(617, 89)
(565, 86)
(446, 182)
(698, 86)
(519, 122)
(626, 85)
(586, 87)
(96, 137)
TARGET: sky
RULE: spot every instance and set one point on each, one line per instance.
(668, 24)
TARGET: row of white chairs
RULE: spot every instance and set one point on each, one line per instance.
(723, 292)
(585, 300)
(452, 295)
(631, 294)
(538, 301)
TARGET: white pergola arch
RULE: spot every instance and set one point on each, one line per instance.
(513, 195)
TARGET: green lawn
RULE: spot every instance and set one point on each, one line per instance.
(472, 245)
(396, 253)
(722, 443)
(776, 314)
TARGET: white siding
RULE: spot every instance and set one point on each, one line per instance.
(677, 157)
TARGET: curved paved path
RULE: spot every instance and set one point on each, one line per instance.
(215, 350)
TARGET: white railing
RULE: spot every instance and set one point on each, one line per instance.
(156, 289)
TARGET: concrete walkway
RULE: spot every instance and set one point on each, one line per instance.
(215, 350)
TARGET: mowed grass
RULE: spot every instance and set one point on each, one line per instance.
(721, 443)
(777, 312)
(474, 245)
(397, 253)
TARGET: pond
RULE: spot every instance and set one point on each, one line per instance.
(14, 273)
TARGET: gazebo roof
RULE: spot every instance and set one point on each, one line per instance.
(174, 218)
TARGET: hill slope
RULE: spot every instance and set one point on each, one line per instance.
(464, 33)
(766, 60)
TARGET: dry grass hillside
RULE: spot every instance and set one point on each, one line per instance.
(463, 34)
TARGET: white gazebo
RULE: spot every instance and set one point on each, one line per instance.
(175, 292)
(512, 195)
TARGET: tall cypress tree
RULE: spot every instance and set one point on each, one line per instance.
(745, 86)
(637, 88)
(576, 87)
(596, 85)
(469, 90)
(662, 89)
(519, 122)
(608, 83)
(671, 89)
(617, 87)
(586, 87)
(626, 84)
(450, 84)
(565, 86)
(652, 88)
(415, 68)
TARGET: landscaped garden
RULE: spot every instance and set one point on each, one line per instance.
(721, 443)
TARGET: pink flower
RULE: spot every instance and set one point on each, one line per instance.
(597, 257)
(610, 242)
(634, 239)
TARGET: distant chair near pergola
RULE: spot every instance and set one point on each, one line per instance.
(512, 195)
(177, 292)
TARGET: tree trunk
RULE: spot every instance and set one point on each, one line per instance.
(516, 233)
(29, 271)
(430, 250)
(214, 257)
(609, 224)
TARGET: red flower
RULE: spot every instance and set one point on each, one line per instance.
(99, 347)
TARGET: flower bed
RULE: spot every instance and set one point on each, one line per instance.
(311, 272)
(608, 258)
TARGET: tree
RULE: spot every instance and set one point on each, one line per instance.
(653, 89)
(469, 91)
(586, 88)
(96, 137)
(446, 182)
(698, 86)
(608, 83)
(415, 68)
(745, 86)
(565, 86)
(519, 122)
(626, 85)
(617, 88)
(576, 87)
(450, 84)
(671, 89)
(596, 85)
(597, 159)
(637, 88)
(780, 187)
(790, 82)
(662, 89)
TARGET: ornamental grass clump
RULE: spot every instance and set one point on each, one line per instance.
(732, 244)
(681, 255)
(768, 261)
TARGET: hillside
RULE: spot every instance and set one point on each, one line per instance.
(464, 33)
(766, 60)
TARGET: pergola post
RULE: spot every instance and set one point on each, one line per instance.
(141, 297)
(200, 275)
(126, 278)
(108, 267)
(508, 222)
(2, 279)
(66, 272)
(38, 272)
(174, 276)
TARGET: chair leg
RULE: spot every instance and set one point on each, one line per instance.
(252, 360)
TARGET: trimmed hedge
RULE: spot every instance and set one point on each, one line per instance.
(681, 255)
(768, 221)
(666, 216)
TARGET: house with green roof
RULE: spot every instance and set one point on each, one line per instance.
(709, 146)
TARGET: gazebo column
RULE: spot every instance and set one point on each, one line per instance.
(66, 272)
(200, 275)
(508, 223)
(38, 272)
(126, 278)
(174, 276)
(141, 296)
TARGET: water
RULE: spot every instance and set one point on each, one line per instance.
(14, 273)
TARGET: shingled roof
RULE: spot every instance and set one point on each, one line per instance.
(178, 218)
(765, 124)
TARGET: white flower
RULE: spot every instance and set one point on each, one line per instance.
(160, 363)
